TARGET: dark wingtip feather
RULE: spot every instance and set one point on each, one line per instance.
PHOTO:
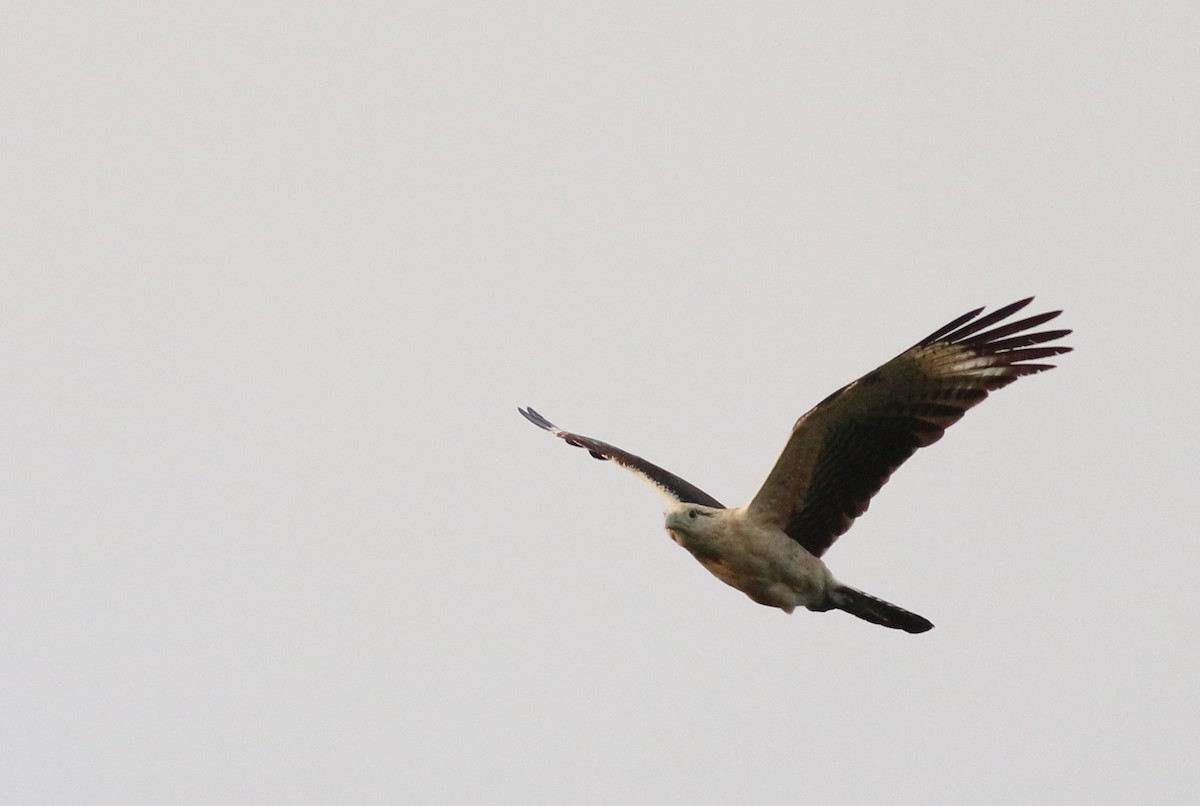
(971, 330)
(986, 321)
(949, 326)
(1004, 330)
(967, 324)
(535, 418)
(1024, 340)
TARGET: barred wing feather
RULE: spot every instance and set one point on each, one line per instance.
(843, 450)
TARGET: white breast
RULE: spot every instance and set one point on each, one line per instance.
(761, 561)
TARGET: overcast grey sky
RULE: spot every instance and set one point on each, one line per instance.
(276, 278)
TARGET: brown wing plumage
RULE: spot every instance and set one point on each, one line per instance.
(844, 449)
(668, 482)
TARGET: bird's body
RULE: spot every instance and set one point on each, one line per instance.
(838, 456)
(759, 559)
(756, 558)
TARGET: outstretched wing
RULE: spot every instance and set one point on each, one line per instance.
(842, 451)
(664, 480)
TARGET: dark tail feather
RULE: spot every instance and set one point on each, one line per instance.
(876, 611)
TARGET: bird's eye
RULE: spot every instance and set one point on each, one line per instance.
(692, 514)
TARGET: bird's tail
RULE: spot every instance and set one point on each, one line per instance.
(876, 611)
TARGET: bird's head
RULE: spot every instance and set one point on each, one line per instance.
(688, 520)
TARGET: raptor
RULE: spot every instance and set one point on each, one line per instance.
(838, 456)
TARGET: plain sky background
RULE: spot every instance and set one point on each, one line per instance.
(277, 276)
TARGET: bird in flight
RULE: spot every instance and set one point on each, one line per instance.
(838, 456)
